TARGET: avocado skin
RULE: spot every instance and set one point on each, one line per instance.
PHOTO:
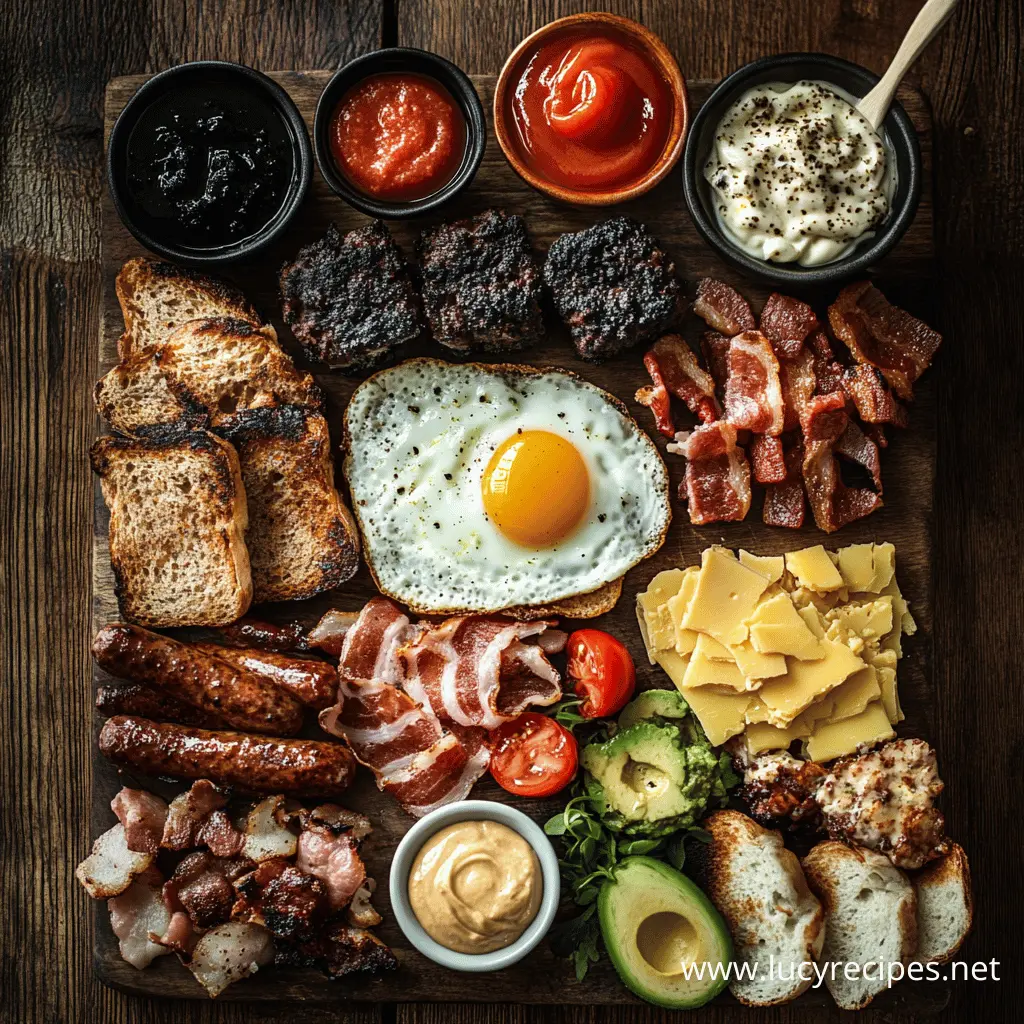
(634, 878)
(688, 762)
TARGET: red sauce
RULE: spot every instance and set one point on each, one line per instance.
(592, 109)
(398, 136)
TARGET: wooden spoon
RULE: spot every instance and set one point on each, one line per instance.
(929, 20)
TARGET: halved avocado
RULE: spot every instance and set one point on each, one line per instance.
(668, 704)
(656, 924)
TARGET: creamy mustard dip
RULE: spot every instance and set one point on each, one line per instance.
(475, 886)
(797, 174)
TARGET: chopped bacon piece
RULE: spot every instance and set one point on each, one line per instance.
(796, 377)
(753, 394)
(722, 307)
(883, 335)
(111, 866)
(196, 818)
(360, 912)
(675, 371)
(833, 503)
(715, 349)
(339, 950)
(784, 503)
(229, 953)
(767, 458)
(289, 902)
(870, 393)
(267, 833)
(201, 887)
(717, 481)
(855, 445)
(828, 372)
(329, 633)
(825, 418)
(786, 322)
(139, 918)
(335, 860)
(143, 816)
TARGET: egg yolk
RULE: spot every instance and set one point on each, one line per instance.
(536, 488)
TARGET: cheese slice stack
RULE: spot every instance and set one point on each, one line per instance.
(782, 648)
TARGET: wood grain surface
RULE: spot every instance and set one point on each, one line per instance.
(55, 57)
(908, 470)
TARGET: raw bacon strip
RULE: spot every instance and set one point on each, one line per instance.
(753, 394)
(675, 371)
(786, 322)
(870, 393)
(855, 445)
(784, 503)
(767, 458)
(723, 308)
(143, 816)
(796, 376)
(882, 335)
(461, 667)
(715, 349)
(370, 648)
(717, 481)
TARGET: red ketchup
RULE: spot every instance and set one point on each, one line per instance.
(592, 110)
(398, 137)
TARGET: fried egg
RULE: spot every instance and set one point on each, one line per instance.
(479, 487)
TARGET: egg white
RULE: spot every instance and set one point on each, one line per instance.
(419, 437)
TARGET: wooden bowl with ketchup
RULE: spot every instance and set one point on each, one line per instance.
(591, 109)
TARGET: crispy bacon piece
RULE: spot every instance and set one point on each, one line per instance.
(111, 866)
(196, 818)
(723, 308)
(796, 377)
(876, 332)
(360, 912)
(828, 373)
(268, 832)
(825, 418)
(833, 503)
(855, 445)
(786, 322)
(753, 394)
(339, 950)
(334, 859)
(229, 953)
(143, 816)
(715, 349)
(767, 458)
(284, 899)
(784, 503)
(675, 371)
(201, 886)
(717, 481)
(870, 393)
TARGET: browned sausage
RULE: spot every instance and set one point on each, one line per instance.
(136, 699)
(257, 764)
(267, 636)
(311, 682)
(240, 699)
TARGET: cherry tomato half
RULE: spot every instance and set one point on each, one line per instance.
(602, 671)
(533, 755)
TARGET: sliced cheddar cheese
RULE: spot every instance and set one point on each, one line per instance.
(659, 629)
(721, 715)
(813, 569)
(724, 675)
(726, 595)
(836, 739)
(776, 627)
(808, 681)
(686, 639)
(756, 665)
(857, 566)
(772, 566)
(762, 736)
(708, 647)
(884, 562)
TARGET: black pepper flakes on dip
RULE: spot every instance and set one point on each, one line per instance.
(208, 162)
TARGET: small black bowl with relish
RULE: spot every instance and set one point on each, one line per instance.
(208, 162)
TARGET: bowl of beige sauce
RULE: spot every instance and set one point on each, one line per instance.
(475, 885)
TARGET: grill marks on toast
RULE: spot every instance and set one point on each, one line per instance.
(228, 374)
(178, 517)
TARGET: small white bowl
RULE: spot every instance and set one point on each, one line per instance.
(474, 810)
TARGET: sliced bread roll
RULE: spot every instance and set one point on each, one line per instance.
(177, 529)
(945, 907)
(870, 919)
(776, 922)
(157, 297)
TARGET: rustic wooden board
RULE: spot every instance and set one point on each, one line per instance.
(908, 471)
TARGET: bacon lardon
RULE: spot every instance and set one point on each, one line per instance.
(784, 503)
(753, 394)
(882, 335)
(786, 322)
(859, 448)
(798, 381)
(717, 481)
(715, 349)
(870, 393)
(768, 459)
(674, 370)
(721, 307)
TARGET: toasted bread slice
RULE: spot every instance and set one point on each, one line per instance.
(945, 907)
(759, 888)
(177, 529)
(581, 606)
(302, 538)
(156, 298)
(137, 400)
(870, 919)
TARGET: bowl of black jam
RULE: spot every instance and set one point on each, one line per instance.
(208, 162)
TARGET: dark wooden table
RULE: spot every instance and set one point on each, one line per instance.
(56, 55)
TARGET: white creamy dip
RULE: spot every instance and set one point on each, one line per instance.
(797, 174)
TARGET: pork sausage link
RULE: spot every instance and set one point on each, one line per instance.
(311, 682)
(255, 764)
(238, 698)
(136, 699)
(267, 636)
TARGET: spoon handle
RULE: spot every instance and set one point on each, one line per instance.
(929, 20)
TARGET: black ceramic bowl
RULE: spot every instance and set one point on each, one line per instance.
(398, 59)
(220, 78)
(898, 135)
